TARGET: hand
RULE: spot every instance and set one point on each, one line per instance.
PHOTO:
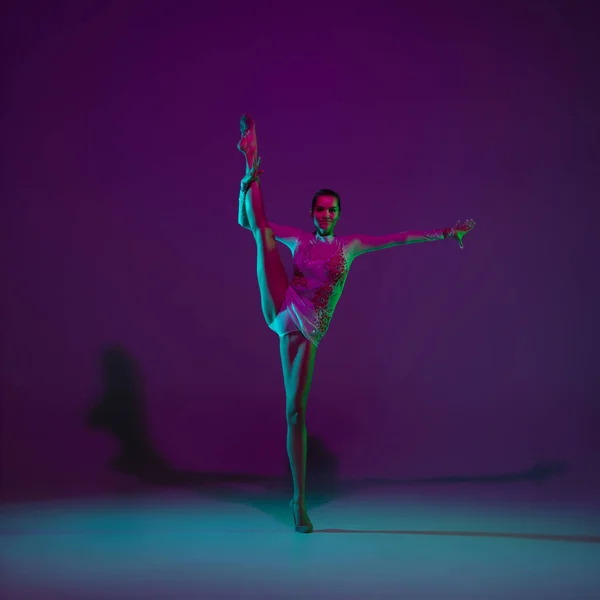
(252, 175)
(461, 230)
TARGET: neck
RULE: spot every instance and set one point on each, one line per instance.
(323, 234)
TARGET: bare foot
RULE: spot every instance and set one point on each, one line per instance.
(248, 144)
(302, 523)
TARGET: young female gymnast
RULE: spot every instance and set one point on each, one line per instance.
(300, 310)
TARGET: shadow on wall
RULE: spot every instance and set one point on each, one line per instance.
(121, 412)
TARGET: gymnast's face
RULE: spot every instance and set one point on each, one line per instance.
(326, 214)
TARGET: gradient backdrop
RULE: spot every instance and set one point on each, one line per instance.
(119, 189)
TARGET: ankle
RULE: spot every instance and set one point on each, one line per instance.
(300, 503)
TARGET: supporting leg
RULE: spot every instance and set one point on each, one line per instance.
(297, 359)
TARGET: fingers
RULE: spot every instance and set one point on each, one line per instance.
(467, 225)
(256, 166)
(462, 230)
(254, 173)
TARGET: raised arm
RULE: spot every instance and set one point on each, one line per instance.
(369, 243)
(283, 233)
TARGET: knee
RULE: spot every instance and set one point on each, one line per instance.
(296, 416)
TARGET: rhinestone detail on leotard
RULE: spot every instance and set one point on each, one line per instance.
(321, 267)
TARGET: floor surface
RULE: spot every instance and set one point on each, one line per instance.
(457, 541)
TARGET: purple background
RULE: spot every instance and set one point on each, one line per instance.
(119, 202)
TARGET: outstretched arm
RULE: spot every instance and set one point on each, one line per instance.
(370, 243)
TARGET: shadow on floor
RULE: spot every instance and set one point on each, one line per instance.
(587, 539)
(121, 412)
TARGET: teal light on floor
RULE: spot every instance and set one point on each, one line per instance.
(365, 546)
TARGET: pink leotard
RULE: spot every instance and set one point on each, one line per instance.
(321, 266)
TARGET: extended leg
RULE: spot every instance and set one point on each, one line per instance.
(270, 270)
(297, 360)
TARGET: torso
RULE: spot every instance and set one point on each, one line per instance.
(321, 267)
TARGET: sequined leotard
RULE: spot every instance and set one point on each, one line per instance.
(321, 266)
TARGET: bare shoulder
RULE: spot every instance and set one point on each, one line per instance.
(287, 235)
(348, 240)
(285, 231)
(351, 242)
